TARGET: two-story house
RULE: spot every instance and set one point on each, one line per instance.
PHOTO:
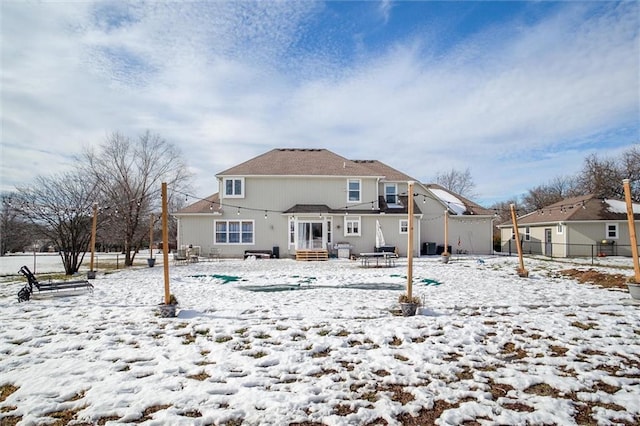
(287, 200)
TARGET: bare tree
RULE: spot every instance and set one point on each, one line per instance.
(61, 207)
(556, 190)
(129, 175)
(603, 176)
(14, 231)
(457, 181)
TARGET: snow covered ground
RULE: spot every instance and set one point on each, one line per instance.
(323, 346)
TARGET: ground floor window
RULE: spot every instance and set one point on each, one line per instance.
(404, 226)
(351, 225)
(234, 232)
(612, 230)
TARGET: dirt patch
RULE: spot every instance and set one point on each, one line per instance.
(601, 279)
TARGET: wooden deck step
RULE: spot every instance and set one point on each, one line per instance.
(312, 255)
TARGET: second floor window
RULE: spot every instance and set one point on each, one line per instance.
(391, 193)
(353, 190)
(233, 187)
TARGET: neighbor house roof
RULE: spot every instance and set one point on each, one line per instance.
(582, 208)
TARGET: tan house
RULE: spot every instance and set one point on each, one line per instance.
(574, 227)
(287, 201)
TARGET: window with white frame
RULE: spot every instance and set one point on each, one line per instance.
(560, 229)
(391, 193)
(404, 226)
(233, 187)
(527, 233)
(351, 226)
(353, 190)
(234, 232)
(329, 232)
(292, 231)
(612, 231)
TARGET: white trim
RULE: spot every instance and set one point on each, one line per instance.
(359, 181)
(406, 226)
(227, 233)
(233, 195)
(352, 219)
(606, 231)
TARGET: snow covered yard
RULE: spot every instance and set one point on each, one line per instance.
(327, 349)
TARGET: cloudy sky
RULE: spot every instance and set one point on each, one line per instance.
(518, 92)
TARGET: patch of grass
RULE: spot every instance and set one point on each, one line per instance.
(258, 354)
(191, 414)
(398, 393)
(401, 357)
(395, 341)
(262, 335)
(149, 411)
(324, 332)
(510, 350)
(6, 390)
(200, 376)
(557, 351)
(223, 339)
(542, 389)
(343, 410)
(321, 354)
(583, 326)
(241, 330)
(519, 407)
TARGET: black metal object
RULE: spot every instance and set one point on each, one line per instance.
(50, 287)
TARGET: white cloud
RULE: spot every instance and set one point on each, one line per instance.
(226, 81)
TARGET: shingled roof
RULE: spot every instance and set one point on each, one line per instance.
(300, 162)
(582, 208)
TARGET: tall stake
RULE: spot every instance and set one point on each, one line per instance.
(94, 227)
(632, 229)
(410, 242)
(165, 244)
(151, 237)
(446, 233)
(521, 271)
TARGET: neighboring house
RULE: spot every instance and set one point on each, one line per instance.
(574, 227)
(288, 200)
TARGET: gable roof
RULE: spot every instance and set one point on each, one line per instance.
(299, 162)
(582, 208)
(210, 204)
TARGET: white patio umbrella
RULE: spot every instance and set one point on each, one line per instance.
(379, 236)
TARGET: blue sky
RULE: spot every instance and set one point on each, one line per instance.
(518, 92)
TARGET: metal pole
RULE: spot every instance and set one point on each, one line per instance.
(632, 229)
